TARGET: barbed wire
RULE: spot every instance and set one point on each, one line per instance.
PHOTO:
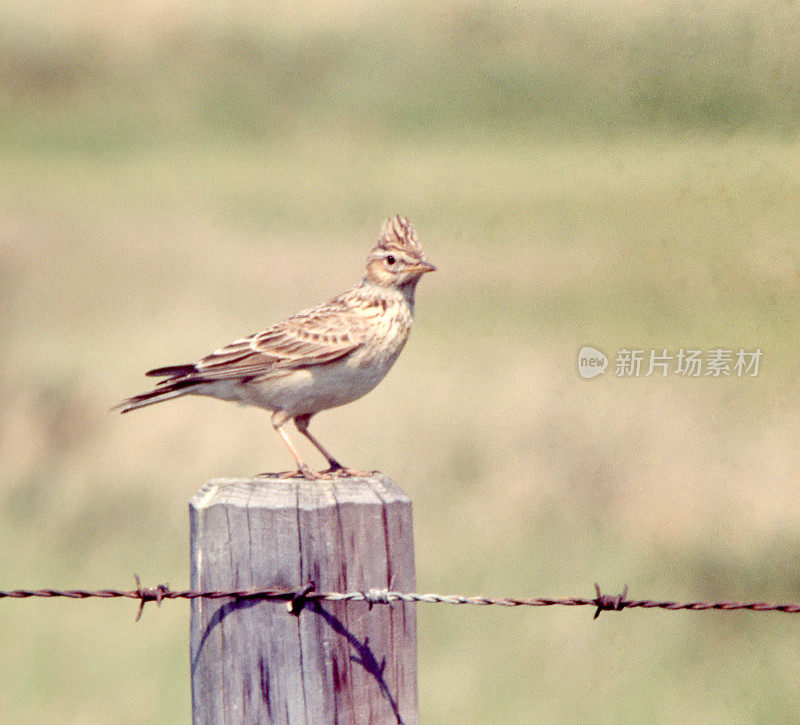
(296, 599)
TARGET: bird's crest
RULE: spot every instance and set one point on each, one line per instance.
(398, 233)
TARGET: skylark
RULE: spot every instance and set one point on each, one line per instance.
(320, 358)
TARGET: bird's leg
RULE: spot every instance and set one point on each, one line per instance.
(336, 468)
(302, 421)
(279, 420)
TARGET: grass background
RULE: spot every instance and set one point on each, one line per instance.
(625, 176)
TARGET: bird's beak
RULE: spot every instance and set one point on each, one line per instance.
(421, 268)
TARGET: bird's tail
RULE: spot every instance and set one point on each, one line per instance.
(174, 387)
(172, 371)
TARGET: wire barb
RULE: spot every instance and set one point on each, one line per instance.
(149, 594)
(609, 602)
(376, 596)
(298, 601)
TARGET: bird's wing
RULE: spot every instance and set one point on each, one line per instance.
(315, 336)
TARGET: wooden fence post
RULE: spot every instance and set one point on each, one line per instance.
(343, 662)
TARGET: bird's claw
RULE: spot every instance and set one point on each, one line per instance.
(344, 472)
(306, 473)
(328, 474)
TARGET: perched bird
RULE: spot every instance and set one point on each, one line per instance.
(320, 358)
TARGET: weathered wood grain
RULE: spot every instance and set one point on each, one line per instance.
(338, 661)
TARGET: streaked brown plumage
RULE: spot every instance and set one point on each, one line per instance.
(322, 357)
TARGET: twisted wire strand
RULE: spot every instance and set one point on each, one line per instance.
(296, 598)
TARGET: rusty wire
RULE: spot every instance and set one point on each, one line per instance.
(296, 598)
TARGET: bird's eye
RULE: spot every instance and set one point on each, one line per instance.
(390, 260)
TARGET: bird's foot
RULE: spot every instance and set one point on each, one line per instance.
(339, 471)
(304, 472)
(328, 474)
(310, 475)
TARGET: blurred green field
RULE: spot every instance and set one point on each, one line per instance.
(625, 177)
